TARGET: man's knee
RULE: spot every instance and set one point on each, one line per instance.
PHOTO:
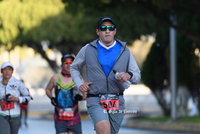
(103, 127)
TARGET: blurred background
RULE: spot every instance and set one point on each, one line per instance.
(34, 34)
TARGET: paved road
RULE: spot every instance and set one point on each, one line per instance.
(46, 126)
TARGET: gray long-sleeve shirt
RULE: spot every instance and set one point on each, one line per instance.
(88, 56)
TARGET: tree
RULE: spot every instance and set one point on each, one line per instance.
(136, 17)
(135, 12)
(40, 24)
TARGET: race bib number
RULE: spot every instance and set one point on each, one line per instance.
(109, 101)
(66, 114)
(7, 105)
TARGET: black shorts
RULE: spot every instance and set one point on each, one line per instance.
(61, 128)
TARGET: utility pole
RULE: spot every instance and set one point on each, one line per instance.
(173, 66)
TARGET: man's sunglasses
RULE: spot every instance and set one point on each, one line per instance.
(104, 28)
(69, 61)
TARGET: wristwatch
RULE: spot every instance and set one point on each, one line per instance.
(131, 74)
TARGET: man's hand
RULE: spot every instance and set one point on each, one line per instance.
(11, 98)
(85, 87)
(78, 97)
(122, 77)
(53, 101)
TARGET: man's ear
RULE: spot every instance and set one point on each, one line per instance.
(115, 31)
(97, 31)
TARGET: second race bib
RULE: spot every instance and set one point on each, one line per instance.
(66, 113)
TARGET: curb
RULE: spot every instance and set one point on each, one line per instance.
(166, 126)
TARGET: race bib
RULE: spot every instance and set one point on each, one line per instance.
(6, 105)
(66, 114)
(109, 101)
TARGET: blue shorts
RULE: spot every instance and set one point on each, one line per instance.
(97, 113)
(61, 128)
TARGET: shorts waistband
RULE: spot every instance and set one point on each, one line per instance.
(98, 95)
(4, 115)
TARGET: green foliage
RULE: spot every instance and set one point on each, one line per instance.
(155, 70)
(192, 119)
(136, 17)
(26, 19)
(131, 20)
(187, 64)
(72, 24)
(32, 21)
(154, 119)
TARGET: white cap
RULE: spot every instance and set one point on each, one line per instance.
(6, 64)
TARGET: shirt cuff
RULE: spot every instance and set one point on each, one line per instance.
(20, 99)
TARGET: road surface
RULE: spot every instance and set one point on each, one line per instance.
(46, 126)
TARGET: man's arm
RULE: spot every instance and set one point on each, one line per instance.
(49, 89)
(24, 94)
(75, 71)
(133, 68)
(133, 74)
(84, 96)
(76, 66)
(84, 93)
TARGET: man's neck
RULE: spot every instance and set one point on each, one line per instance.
(5, 81)
(107, 44)
(107, 47)
(65, 74)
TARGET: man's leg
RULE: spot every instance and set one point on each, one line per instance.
(15, 123)
(25, 117)
(4, 126)
(75, 129)
(69, 132)
(100, 119)
(60, 128)
(103, 127)
(116, 118)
